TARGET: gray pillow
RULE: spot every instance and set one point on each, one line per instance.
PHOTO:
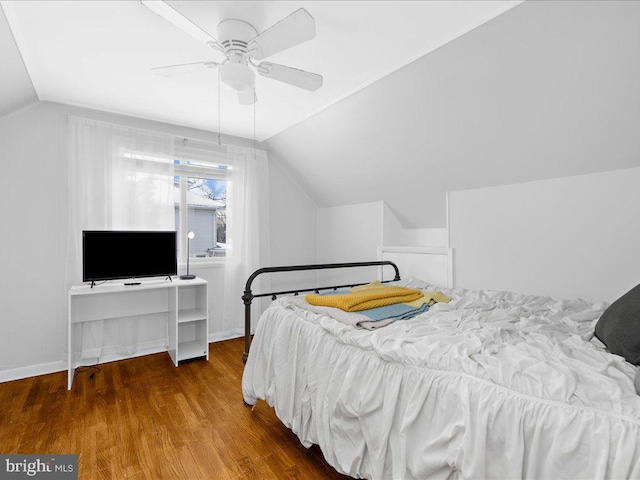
(619, 326)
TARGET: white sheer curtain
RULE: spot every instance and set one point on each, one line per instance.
(247, 231)
(119, 179)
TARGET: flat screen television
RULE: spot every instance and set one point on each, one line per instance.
(116, 254)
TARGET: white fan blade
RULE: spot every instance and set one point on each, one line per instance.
(288, 32)
(171, 70)
(247, 97)
(292, 76)
(173, 16)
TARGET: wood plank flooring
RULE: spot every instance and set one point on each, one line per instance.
(143, 418)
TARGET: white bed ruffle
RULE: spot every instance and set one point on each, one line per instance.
(493, 385)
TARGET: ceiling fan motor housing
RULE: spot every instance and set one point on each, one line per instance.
(234, 35)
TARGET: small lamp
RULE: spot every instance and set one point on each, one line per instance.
(190, 236)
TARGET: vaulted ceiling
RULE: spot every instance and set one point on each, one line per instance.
(99, 54)
(16, 89)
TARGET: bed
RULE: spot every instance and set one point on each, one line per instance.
(491, 385)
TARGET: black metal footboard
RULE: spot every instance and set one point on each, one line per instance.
(248, 296)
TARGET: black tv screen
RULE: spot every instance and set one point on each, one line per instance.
(113, 254)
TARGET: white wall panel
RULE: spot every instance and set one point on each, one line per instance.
(434, 237)
(430, 264)
(568, 237)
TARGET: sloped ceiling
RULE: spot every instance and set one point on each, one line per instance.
(548, 89)
(16, 89)
(99, 54)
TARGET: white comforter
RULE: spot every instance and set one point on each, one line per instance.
(492, 385)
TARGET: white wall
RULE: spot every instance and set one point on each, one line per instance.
(33, 235)
(33, 239)
(395, 234)
(351, 233)
(294, 229)
(432, 237)
(569, 237)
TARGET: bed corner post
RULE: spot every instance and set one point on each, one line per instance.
(247, 298)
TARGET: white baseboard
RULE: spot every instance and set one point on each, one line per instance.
(32, 371)
(226, 335)
(54, 367)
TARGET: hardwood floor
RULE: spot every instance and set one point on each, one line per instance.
(143, 418)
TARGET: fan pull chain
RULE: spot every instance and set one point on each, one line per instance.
(219, 80)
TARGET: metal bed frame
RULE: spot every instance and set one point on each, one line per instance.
(248, 295)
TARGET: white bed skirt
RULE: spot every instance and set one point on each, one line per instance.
(379, 419)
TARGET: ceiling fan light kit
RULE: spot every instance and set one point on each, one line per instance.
(237, 47)
(237, 76)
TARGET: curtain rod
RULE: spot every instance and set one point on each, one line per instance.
(156, 132)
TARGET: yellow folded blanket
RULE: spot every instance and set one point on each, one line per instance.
(430, 298)
(365, 299)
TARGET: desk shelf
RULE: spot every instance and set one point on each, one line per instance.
(181, 303)
(192, 349)
(191, 315)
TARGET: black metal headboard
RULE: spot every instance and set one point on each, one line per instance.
(248, 296)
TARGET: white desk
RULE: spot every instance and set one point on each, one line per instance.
(184, 301)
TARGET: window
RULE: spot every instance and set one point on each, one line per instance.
(200, 206)
(200, 203)
(199, 196)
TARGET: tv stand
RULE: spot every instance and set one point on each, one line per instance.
(182, 304)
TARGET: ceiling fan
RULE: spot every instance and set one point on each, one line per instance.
(239, 46)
